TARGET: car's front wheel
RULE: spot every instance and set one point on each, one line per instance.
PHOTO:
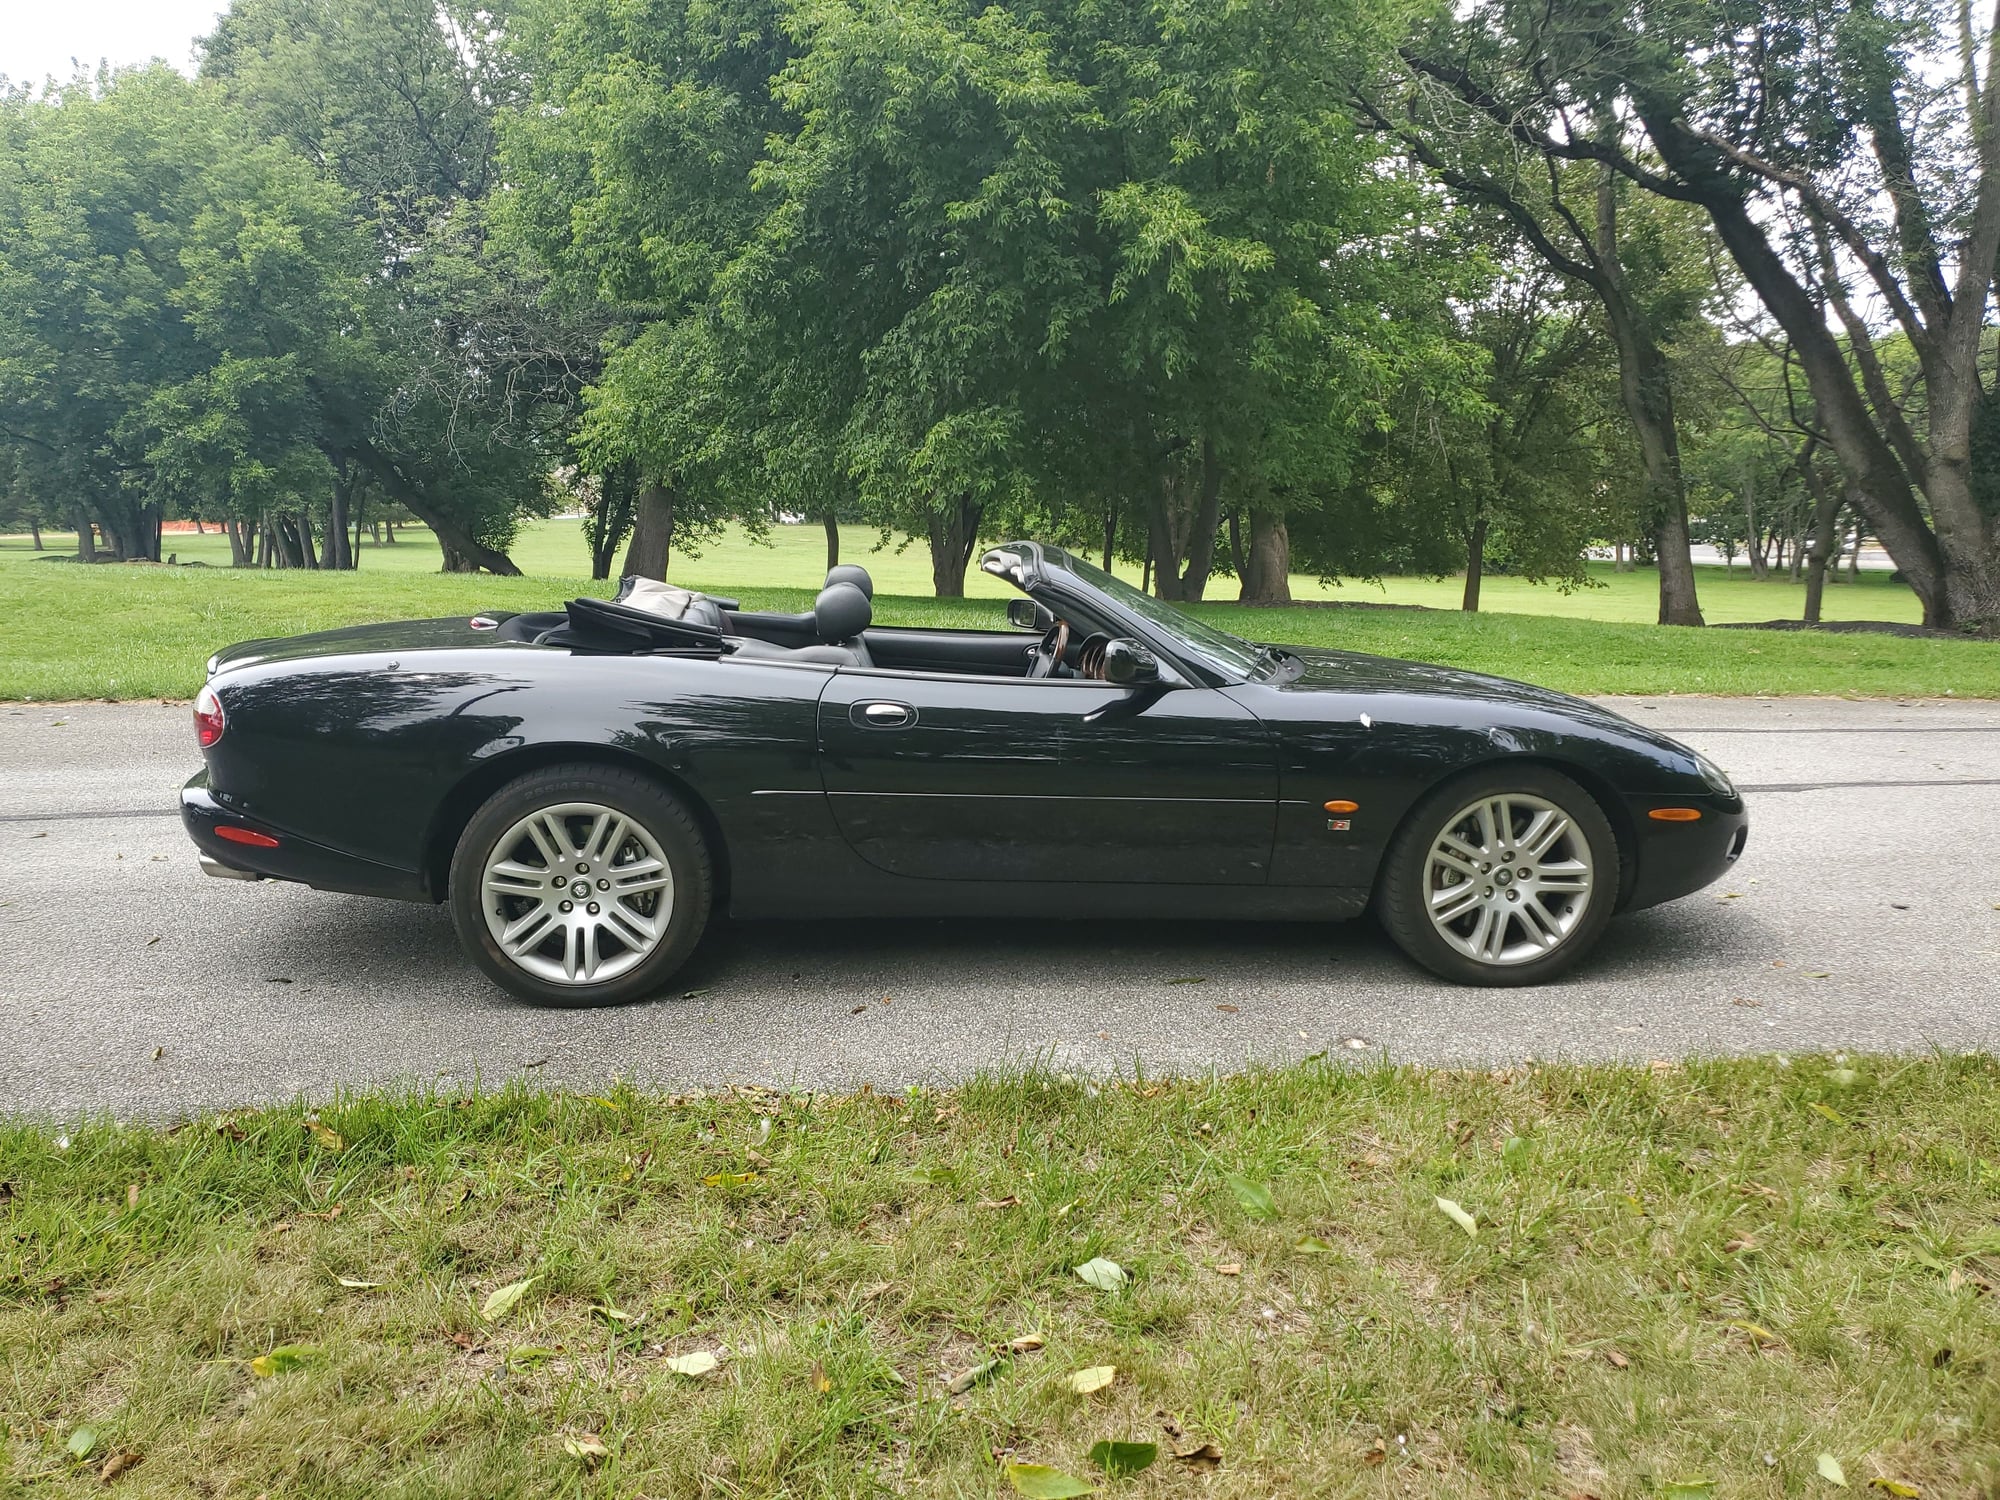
(1502, 877)
(581, 885)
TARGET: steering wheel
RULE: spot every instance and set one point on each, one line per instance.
(1049, 654)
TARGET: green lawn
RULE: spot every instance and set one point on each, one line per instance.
(796, 558)
(1729, 1279)
(134, 632)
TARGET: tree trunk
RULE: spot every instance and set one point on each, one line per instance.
(1759, 568)
(86, 539)
(239, 554)
(1236, 542)
(306, 552)
(388, 537)
(1163, 545)
(610, 520)
(1267, 572)
(954, 532)
(652, 532)
(1475, 567)
(832, 523)
(333, 551)
(1826, 510)
(1646, 388)
(1201, 531)
(457, 543)
(1110, 533)
(35, 529)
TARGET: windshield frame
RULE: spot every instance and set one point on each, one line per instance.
(1205, 653)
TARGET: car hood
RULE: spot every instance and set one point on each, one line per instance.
(1329, 671)
(357, 640)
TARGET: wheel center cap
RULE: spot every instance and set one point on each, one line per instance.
(1503, 877)
(580, 889)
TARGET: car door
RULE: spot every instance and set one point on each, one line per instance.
(950, 777)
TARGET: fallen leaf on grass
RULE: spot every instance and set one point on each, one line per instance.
(1230, 1268)
(587, 1446)
(1254, 1197)
(1831, 1471)
(1459, 1216)
(1121, 1460)
(1758, 1334)
(1618, 1361)
(504, 1300)
(1105, 1275)
(82, 1443)
(117, 1464)
(1207, 1456)
(282, 1360)
(325, 1136)
(1828, 1112)
(1096, 1378)
(819, 1380)
(1027, 1343)
(527, 1356)
(729, 1179)
(965, 1380)
(1688, 1489)
(699, 1363)
(131, 1196)
(1312, 1244)
(1893, 1487)
(1009, 1201)
(357, 1286)
(1040, 1482)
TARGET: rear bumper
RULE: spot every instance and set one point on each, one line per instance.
(1677, 859)
(294, 858)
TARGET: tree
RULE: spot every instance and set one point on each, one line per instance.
(1825, 159)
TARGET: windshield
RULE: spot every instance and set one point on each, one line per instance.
(1218, 648)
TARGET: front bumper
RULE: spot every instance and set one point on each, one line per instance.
(294, 858)
(1677, 859)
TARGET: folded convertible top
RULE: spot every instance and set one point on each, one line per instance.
(604, 627)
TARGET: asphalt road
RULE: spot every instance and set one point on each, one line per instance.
(1865, 914)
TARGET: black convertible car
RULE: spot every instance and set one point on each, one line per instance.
(585, 787)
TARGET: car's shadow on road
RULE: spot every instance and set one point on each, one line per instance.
(411, 954)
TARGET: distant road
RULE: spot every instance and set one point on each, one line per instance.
(1862, 916)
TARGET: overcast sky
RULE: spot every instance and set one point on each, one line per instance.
(39, 37)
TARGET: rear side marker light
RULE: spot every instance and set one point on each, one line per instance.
(248, 836)
(1675, 815)
(207, 717)
(1342, 805)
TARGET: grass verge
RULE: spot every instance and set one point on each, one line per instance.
(1718, 1278)
(144, 632)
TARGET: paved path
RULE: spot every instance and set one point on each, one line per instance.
(1864, 917)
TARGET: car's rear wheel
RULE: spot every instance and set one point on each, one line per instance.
(1505, 876)
(581, 885)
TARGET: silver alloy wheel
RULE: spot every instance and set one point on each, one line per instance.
(1509, 878)
(577, 893)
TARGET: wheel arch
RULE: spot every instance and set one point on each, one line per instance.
(1601, 791)
(472, 790)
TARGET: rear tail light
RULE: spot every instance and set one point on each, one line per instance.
(207, 717)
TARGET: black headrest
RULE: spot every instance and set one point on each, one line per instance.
(841, 612)
(852, 573)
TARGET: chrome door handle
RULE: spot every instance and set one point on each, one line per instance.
(885, 715)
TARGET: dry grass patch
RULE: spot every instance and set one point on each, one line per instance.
(1713, 1274)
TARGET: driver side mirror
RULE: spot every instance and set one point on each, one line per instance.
(1129, 664)
(1026, 614)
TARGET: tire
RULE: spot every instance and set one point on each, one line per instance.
(1528, 930)
(611, 829)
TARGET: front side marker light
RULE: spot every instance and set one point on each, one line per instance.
(1675, 815)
